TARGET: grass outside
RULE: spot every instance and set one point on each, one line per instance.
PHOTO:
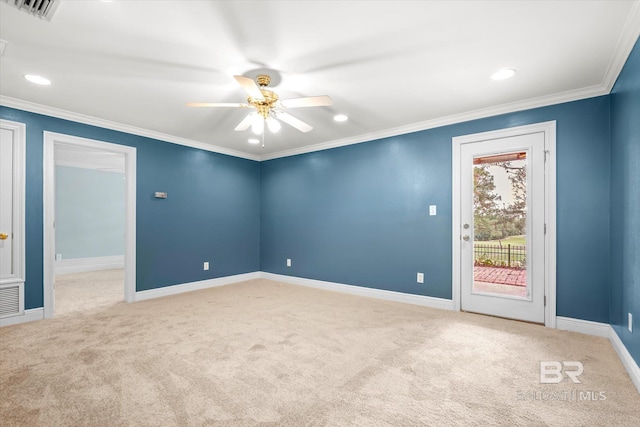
(511, 240)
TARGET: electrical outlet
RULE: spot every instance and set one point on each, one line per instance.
(630, 322)
(288, 262)
(206, 265)
(420, 277)
(58, 257)
(432, 210)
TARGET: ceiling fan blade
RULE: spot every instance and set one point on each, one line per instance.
(250, 86)
(311, 101)
(217, 104)
(292, 121)
(245, 123)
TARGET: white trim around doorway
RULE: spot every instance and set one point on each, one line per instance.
(50, 139)
(549, 130)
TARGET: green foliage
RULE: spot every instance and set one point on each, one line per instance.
(491, 221)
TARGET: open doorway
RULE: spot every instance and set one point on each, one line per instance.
(89, 228)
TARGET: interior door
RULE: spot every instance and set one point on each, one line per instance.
(12, 150)
(502, 219)
(6, 205)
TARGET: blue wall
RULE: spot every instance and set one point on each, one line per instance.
(90, 212)
(359, 214)
(625, 202)
(212, 212)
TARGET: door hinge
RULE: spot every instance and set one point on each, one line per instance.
(545, 300)
(546, 153)
(545, 228)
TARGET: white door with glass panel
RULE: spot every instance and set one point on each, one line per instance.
(502, 226)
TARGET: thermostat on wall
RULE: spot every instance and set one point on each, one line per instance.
(160, 195)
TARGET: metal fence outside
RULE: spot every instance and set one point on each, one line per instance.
(507, 256)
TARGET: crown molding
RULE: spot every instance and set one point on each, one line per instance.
(574, 95)
(95, 121)
(628, 38)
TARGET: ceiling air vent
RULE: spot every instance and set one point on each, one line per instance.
(40, 8)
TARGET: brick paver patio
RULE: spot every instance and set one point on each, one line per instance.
(505, 276)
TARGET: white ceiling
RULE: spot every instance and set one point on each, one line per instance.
(391, 66)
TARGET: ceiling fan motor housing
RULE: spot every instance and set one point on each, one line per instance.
(264, 106)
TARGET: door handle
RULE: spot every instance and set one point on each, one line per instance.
(4, 236)
(465, 238)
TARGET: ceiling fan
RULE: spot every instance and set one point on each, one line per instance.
(268, 106)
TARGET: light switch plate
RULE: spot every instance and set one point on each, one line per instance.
(206, 265)
(432, 210)
(288, 262)
(630, 326)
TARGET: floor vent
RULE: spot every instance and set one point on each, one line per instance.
(9, 300)
(40, 8)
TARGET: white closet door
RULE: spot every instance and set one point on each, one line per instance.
(12, 180)
(6, 204)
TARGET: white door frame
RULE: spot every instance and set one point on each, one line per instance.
(49, 141)
(549, 130)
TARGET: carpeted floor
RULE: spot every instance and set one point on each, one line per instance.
(267, 353)
(84, 291)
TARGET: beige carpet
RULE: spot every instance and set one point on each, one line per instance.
(84, 291)
(266, 353)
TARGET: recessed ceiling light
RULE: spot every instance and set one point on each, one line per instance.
(503, 74)
(39, 80)
(254, 141)
(340, 118)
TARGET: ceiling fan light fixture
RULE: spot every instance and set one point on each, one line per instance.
(340, 118)
(253, 141)
(503, 74)
(273, 125)
(267, 106)
(257, 124)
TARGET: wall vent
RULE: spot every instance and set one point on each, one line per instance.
(40, 8)
(10, 300)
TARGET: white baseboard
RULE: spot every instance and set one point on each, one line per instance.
(604, 330)
(194, 286)
(627, 360)
(441, 303)
(28, 316)
(81, 265)
(583, 326)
